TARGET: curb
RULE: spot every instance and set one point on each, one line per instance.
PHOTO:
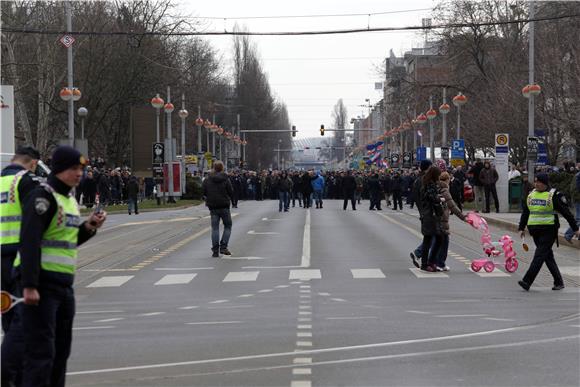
(116, 212)
(514, 227)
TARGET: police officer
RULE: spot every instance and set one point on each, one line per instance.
(45, 268)
(16, 182)
(540, 215)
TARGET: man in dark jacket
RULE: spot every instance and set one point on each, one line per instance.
(89, 188)
(218, 193)
(132, 194)
(397, 190)
(478, 189)
(348, 183)
(375, 192)
(488, 177)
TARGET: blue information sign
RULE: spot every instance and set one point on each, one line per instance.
(458, 149)
(421, 153)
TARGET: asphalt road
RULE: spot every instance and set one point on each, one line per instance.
(312, 298)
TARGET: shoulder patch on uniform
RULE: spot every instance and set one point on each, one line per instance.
(41, 205)
(563, 199)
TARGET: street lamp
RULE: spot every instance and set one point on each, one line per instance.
(199, 123)
(207, 126)
(421, 119)
(82, 112)
(169, 108)
(431, 115)
(278, 162)
(157, 102)
(459, 100)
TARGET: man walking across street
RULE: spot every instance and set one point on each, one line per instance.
(218, 193)
(17, 181)
(477, 184)
(541, 218)
(38, 343)
(575, 189)
(488, 177)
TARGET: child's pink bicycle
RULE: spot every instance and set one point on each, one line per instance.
(493, 250)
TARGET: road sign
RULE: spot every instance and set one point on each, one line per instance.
(445, 154)
(158, 153)
(407, 159)
(458, 149)
(421, 153)
(502, 143)
(67, 40)
(532, 144)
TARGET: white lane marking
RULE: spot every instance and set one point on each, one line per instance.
(305, 291)
(367, 273)
(498, 319)
(110, 319)
(574, 326)
(230, 307)
(305, 296)
(218, 301)
(304, 313)
(304, 343)
(151, 314)
(91, 328)
(573, 271)
(418, 312)
(267, 219)
(351, 318)
(189, 307)
(302, 371)
(305, 326)
(241, 258)
(176, 279)
(304, 286)
(304, 307)
(265, 291)
(460, 315)
(300, 383)
(99, 311)
(303, 334)
(282, 286)
(305, 274)
(302, 360)
(324, 294)
(110, 281)
(245, 295)
(241, 276)
(304, 319)
(349, 348)
(422, 274)
(495, 273)
(306, 242)
(252, 232)
(452, 301)
(182, 268)
(338, 299)
(213, 322)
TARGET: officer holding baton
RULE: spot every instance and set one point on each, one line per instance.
(38, 344)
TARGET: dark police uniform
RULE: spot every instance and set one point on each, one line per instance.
(51, 232)
(16, 182)
(540, 215)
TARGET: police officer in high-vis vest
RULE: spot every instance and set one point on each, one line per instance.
(38, 344)
(16, 182)
(540, 214)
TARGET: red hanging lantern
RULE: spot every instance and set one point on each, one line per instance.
(444, 109)
(431, 114)
(66, 94)
(421, 119)
(169, 108)
(459, 100)
(535, 89)
(199, 121)
(157, 102)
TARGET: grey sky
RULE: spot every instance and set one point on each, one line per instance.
(310, 73)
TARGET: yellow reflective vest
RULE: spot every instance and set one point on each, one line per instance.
(541, 206)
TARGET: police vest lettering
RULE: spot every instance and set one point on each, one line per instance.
(10, 209)
(541, 206)
(59, 241)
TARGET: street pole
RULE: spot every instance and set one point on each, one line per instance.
(157, 132)
(239, 153)
(458, 122)
(198, 132)
(169, 156)
(531, 163)
(213, 138)
(83, 128)
(183, 130)
(69, 61)
(415, 133)
(278, 160)
(431, 133)
(444, 123)
(244, 148)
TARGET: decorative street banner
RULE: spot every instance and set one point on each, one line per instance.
(445, 154)
(502, 143)
(407, 159)
(395, 160)
(532, 146)
(158, 153)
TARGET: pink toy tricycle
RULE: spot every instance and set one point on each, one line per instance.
(492, 249)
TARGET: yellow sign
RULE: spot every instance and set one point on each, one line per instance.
(457, 162)
(502, 139)
(191, 159)
(361, 164)
(207, 156)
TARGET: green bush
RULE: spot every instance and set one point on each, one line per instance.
(193, 188)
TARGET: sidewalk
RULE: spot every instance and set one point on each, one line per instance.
(511, 221)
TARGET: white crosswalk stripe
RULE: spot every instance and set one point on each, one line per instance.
(298, 274)
(175, 279)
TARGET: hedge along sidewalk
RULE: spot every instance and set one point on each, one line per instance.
(511, 221)
(147, 206)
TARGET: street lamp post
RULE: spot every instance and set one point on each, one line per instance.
(183, 114)
(199, 123)
(443, 110)
(421, 119)
(158, 103)
(169, 154)
(207, 126)
(82, 112)
(69, 61)
(431, 114)
(459, 100)
(278, 162)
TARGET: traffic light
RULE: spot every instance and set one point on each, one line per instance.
(293, 130)
(322, 130)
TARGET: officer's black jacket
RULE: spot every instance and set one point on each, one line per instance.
(27, 183)
(559, 206)
(34, 224)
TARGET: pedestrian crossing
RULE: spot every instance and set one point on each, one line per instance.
(293, 274)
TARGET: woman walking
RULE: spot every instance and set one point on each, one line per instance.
(431, 213)
(449, 207)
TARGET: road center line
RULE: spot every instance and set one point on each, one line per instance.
(306, 242)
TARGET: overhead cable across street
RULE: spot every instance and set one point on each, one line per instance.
(281, 33)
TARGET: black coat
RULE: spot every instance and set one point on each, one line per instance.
(133, 189)
(430, 222)
(348, 184)
(217, 191)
